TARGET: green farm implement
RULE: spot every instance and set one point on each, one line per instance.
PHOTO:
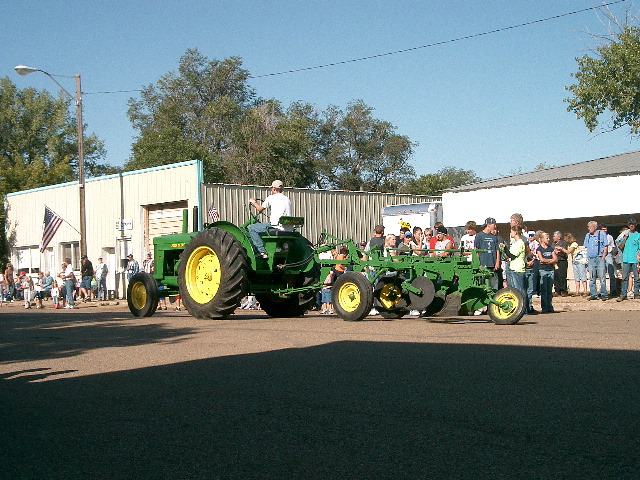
(213, 269)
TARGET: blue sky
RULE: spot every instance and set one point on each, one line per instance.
(491, 104)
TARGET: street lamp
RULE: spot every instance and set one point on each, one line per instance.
(24, 70)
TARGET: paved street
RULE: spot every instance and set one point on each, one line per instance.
(96, 393)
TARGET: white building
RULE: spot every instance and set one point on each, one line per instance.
(558, 198)
(124, 213)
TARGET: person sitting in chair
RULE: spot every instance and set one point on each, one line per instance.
(279, 205)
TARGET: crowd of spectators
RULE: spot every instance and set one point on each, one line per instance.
(534, 262)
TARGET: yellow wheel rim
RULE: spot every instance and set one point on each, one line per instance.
(202, 274)
(390, 295)
(509, 308)
(138, 295)
(349, 297)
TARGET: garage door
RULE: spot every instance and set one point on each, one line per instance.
(163, 219)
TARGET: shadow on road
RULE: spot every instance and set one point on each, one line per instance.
(341, 410)
(26, 337)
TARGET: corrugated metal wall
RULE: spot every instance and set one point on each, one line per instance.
(340, 213)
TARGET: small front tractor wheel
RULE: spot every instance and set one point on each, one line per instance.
(352, 296)
(512, 309)
(142, 295)
(212, 276)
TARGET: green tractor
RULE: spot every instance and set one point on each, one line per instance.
(212, 270)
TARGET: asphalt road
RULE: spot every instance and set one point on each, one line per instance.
(95, 393)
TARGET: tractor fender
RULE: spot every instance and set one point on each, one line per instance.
(241, 235)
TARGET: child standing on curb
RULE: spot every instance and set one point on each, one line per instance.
(55, 293)
(27, 290)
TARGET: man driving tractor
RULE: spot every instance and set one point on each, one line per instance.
(279, 205)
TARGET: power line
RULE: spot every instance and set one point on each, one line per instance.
(405, 50)
(114, 91)
(443, 42)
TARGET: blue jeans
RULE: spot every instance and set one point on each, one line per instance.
(596, 268)
(611, 273)
(68, 285)
(530, 282)
(518, 281)
(579, 272)
(546, 290)
(628, 268)
(102, 289)
(254, 232)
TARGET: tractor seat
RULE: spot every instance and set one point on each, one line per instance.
(274, 232)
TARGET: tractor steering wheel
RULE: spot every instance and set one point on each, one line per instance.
(255, 215)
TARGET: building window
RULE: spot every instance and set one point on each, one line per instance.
(28, 259)
(71, 250)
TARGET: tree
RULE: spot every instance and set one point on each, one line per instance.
(38, 144)
(191, 114)
(267, 143)
(444, 179)
(207, 111)
(351, 150)
(609, 83)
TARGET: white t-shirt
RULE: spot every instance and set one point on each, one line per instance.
(468, 241)
(280, 206)
(68, 272)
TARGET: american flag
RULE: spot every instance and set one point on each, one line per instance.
(51, 224)
(214, 216)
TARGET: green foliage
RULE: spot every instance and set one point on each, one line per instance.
(359, 152)
(191, 114)
(444, 179)
(609, 82)
(38, 144)
(207, 111)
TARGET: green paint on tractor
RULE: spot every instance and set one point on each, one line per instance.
(213, 269)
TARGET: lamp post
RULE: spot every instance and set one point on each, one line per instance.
(24, 70)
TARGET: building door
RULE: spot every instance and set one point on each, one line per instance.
(162, 219)
(123, 248)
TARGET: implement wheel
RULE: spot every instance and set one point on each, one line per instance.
(212, 275)
(437, 304)
(352, 296)
(142, 295)
(512, 310)
(388, 298)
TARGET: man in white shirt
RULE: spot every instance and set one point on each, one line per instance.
(101, 277)
(69, 282)
(279, 205)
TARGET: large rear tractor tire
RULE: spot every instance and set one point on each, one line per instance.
(142, 295)
(352, 296)
(512, 310)
(212, 276)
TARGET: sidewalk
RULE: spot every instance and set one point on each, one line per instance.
(575, 304)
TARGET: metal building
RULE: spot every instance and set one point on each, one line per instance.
(341, 213)
(124, 213)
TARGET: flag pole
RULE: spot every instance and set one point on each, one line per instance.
(61, 218)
